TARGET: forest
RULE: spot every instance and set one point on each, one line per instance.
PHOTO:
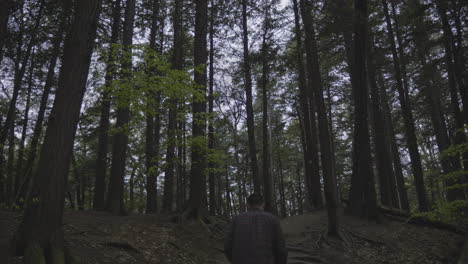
(132, 131)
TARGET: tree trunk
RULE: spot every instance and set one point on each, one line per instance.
(120, 141)
(402, 87)
(177, 63)
(40, 232)
(19, 163)
(326, 153)
(266, 137)
(153, 105)
(211, 164)
(249, 102)
(103, 130)
(197, 205)
(310, 150)
(386, 176)
(362, 198)
(397, 167)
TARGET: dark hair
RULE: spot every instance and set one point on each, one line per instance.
(255, 199)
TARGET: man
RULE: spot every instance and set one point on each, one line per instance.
(255, 237)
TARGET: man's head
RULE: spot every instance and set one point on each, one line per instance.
(255, 201)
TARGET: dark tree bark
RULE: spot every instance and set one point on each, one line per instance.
(248, 92)
(266, 136)
(120, 141)
(153, 104)
(396, 161)
(362, 197)
(40, 233)
(177, 64)
(386, 176)
(310, 149)
(326, 153)
(211, 164)
(103, 130)
(402, 87)
(282, 188)
(197, 205)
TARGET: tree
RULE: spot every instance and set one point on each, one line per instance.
(103, 130)
(197, 206)
(177, 64)
(40, 233)
(266, 135)
(400, 75)
(153, 105)
(362, 197)
(326, 151)
(310, 149)
(249, 101)
(120, 140)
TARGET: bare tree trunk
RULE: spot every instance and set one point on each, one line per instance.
(309, 138)
(103, 130)
(248, 92)
(153, 104)
(197, 205)
(326, 153)
(388, 192)
(400, 180)
(177, 63)
(115, 203)
(362, 197)
(211, 174)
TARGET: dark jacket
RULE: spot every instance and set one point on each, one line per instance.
(255, 237)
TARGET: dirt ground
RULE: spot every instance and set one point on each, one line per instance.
(96, 237)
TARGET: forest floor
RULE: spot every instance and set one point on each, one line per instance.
(101, 238)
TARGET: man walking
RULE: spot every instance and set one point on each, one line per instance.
(255, 237)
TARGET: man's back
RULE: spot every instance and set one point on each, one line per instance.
(255, 237)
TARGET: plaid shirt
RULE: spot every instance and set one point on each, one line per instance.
(255, 237)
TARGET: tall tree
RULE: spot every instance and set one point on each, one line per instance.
(249, 101)
(310, 149)
(402, 88)
(266, 134)
(120, 141)
(386, 176)
(103, 130)
(153, 105)
(177, 64)
(362, 197)
(211, 139)
(326, 151)
(40, 233)
(197, 206)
